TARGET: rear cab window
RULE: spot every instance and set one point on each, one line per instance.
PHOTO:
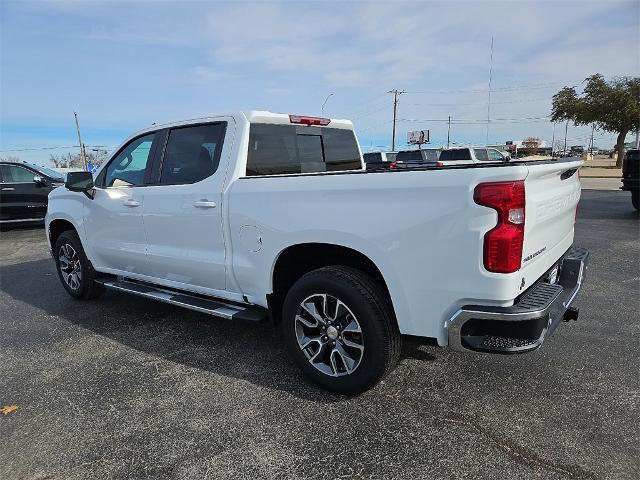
(409, 156)
(455, 154)
(372, 157)
(293, 149)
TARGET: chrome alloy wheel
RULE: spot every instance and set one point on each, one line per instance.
(70, 266)
(329, 335)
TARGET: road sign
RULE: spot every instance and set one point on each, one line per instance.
(418, 137)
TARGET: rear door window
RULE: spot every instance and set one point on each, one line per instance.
(192, 153)
(291, 149)
(15, 174)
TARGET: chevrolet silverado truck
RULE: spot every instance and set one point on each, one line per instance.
(258, 216)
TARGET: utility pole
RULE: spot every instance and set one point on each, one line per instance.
(489, 99)
(396, 93)
(553, 138)
(449, 132)
(591, 145)
(566, 127)
(82, 152)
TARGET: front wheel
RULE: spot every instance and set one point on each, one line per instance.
(339, 328)
(74, 268)
(634, 198)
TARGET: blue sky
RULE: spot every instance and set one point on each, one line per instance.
(124, 65)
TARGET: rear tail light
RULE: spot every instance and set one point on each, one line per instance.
(439, 164)
(393, 165)
(309, 120)
(503, 243)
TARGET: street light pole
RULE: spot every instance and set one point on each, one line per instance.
(324, 103)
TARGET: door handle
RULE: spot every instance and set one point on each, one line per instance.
(204, 204)
(8, 189)
(131, 203)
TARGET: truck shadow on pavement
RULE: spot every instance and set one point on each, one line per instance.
(241, 350)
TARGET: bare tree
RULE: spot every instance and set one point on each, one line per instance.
(10, 158)
(74, 160)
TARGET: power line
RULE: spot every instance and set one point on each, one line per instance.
(29, 149)
(498, 89)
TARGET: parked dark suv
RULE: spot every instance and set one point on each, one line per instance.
(24, 190)
(631, 175)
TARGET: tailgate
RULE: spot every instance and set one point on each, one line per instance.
(552, 193)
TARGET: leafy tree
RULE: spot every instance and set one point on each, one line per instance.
(612, 106)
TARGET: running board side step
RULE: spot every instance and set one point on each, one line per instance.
(216, 308)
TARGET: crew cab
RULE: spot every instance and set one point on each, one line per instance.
(259, 216)
(24, 191)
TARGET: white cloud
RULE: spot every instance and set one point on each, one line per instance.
(139, 62)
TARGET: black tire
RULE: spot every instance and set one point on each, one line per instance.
(635, 200)
(365, 300)
(86, 288)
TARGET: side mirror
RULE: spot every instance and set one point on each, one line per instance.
(39, 181)
(79, 181)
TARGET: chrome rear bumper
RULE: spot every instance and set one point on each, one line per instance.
(533, 317)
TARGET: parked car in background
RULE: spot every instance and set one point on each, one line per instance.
(631, 175)
(263, 216)
(379, 160)
(24, 190)
(577, 150)
(417, 158)
(403, 159)
(467, 155)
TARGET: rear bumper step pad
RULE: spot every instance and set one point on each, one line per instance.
(218, 308)
(533, 317)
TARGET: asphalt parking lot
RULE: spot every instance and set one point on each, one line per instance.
(126, 388)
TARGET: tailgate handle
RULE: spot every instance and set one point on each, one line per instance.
(568, 173)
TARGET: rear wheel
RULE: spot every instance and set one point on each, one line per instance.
(340, 329)
(74, 268)
(634, 199)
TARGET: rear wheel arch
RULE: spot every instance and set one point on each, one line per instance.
(296, 260)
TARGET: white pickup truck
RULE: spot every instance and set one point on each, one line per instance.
(261, 216)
